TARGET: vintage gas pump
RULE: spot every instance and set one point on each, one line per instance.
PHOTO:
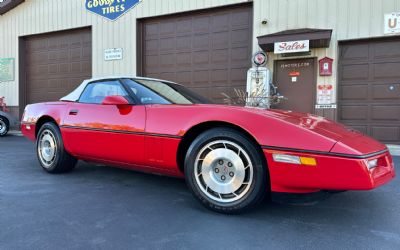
(259, 84)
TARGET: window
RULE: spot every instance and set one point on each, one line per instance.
(96, 92)
(156, 92)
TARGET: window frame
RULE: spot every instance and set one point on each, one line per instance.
(132, 100)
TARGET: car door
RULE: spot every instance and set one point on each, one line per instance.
(110, 133)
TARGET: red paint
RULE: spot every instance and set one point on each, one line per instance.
(147, 137)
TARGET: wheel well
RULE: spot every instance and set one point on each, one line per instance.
(42, 120)
(195, 131)
(5, 119)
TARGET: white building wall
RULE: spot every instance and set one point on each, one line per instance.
(350, 19)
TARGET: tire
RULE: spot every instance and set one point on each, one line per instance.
(217, 175)
(4, 126)
(50, 150)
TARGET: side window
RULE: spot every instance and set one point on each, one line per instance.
(95, 93)
(146, 95)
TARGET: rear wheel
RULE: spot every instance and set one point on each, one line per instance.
(225, 171)
(4, 126)
(50, 150)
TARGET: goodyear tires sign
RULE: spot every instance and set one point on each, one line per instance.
(110, 9)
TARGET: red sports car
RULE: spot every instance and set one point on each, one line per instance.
(231, 157)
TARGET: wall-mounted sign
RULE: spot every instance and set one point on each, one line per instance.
(6, 5)
(113, 54)
(392, 23)
(326, 106)
(325, 66)
(110, 9)
(325, 94)
(260, 58)
(7, 69)
(292, 46)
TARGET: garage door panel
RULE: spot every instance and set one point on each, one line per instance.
(354, 52)
(369, 87)
(388, 134)
(201, 24)
(354, 112)
(387, 113)
(220, 40)
(387, 70)
(220, 23)
(56, 63)
(355, 72)
(184, 25)
(241, 19)
(389, 49)
(354, 92)
(386, 91)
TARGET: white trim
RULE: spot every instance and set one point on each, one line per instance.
(75, 94)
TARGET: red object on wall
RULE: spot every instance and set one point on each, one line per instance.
(3, 105)
(325, 66)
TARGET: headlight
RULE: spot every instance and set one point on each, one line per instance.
(371, 163)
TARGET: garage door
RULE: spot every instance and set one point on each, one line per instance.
(56, 63)
(369, 87)
(208, 51)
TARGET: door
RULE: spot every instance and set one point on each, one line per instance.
(208, 51)
(296, 81)
(369, 87)
(113, 133)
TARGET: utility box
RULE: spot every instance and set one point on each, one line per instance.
(325, 66)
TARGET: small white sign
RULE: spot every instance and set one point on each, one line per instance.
(113, 54)
(326, 106)
(292, 46)
(392, 23)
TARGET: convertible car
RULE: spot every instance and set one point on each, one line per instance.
(231, 157)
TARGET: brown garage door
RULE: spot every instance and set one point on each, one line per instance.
(208, 51)
(56, 63)
(369, 87)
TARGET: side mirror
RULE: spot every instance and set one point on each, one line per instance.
(115, 100)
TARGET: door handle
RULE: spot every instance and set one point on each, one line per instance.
(73, 112)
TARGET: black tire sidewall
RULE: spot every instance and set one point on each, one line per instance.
(55, 166)
(7, 123)
(259, 186)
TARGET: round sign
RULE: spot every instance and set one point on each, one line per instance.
(260, 58)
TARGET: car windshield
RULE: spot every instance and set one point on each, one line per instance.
(158, 92)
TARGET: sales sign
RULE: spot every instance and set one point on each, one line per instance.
(292, 46)
(110, 9)
(6, 69)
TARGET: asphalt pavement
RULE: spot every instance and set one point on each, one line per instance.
(97, 207)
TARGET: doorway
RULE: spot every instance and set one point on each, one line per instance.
(296, 81)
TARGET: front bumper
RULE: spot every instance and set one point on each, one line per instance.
(332, 172)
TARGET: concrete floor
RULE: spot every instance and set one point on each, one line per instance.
(106, 208)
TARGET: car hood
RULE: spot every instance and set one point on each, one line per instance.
(342, 139)
(348, 140)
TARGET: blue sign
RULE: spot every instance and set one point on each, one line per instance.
(110, 9)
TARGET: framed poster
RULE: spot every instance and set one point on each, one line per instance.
(7, 69)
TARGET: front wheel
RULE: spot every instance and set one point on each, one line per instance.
(225, 171)
(4, 126)
(50, 150)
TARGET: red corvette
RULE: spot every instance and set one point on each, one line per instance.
(230, 156)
